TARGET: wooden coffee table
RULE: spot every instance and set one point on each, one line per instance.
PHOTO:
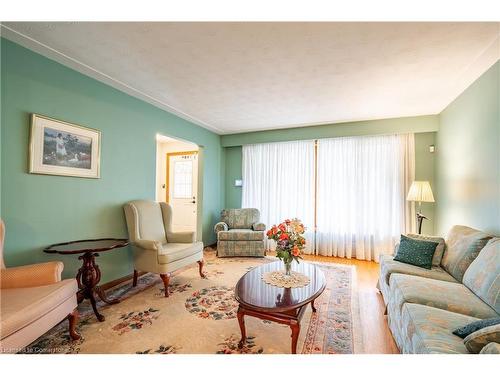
(282, 305)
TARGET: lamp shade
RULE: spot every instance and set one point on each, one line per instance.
(420, 191)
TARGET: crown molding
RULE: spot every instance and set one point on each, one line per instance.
(91, 72)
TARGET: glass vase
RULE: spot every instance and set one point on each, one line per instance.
(288, 267)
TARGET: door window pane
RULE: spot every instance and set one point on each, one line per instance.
(183, 179)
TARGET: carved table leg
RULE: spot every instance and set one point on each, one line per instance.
(99, 316)
(88, 278)
(166, 280)
(312, 306)
(200, 266)
(241, 321)
(136, 274)
(73, 319)
(295, 326)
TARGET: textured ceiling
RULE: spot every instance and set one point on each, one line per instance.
(235, 77)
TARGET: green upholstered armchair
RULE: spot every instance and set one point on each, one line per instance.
(239, 233)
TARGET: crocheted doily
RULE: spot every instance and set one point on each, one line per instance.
(278, 278)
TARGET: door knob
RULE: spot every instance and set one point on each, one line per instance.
(193, 201)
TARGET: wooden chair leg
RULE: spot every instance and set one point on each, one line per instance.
(136, 274)
(201, 263)
(73, 319)
(166, 280)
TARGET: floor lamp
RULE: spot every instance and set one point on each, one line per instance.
(420, 191)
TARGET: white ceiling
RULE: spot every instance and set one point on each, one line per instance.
(236, 77)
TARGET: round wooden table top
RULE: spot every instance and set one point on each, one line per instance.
(252, 292)
(84, 246)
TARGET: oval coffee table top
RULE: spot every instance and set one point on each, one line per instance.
(251, 291)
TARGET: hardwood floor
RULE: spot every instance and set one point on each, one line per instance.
(377, 338)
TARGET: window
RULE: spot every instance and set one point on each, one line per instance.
(183, 179)
(350, 192)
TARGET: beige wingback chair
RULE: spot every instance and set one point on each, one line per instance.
(156, 248)
(33, 299)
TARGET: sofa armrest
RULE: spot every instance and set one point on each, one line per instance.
(396, 249)
(220, 227)
(181, 237)
(491, 348)
(31, 275)
(148, 244)
(259, 227)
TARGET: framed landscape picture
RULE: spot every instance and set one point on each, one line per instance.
(64, 149)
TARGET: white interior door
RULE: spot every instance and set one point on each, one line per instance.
(182, 184)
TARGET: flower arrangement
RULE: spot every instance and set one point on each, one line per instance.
(289, 241)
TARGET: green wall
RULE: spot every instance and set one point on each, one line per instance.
(468, 158)
(419, 124)
(233, 172)
(39, 210)
(424, 170)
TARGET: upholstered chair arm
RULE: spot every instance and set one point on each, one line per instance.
(31, 275)
(148, 244)
(220, 226)
(181, 237)
(259, 227)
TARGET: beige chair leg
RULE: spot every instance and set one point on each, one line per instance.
(201, 263)
(136, 274)
(73, 319)
(166, 280)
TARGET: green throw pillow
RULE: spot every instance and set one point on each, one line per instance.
(416, 252)
(466, 330)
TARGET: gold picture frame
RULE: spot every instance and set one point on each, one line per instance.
(63, 149)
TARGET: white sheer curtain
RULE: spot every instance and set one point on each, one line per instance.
(278, 179)
(361, 196)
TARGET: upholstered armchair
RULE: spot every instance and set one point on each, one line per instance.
(33, 300)
(239, 233)
(156, 248)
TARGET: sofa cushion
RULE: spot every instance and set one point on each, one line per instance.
(240, 235)
(438, 254)
(427, 330)
(22, 306)
(240, 218)
(443, 295)
(479, 339)
(171, 252)
(463, 245)
(483, 275)
(389, 266)
(416, 252)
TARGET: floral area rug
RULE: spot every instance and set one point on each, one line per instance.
(200, 317)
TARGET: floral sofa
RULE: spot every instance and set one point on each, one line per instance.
(424, 306)
(239, 233)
